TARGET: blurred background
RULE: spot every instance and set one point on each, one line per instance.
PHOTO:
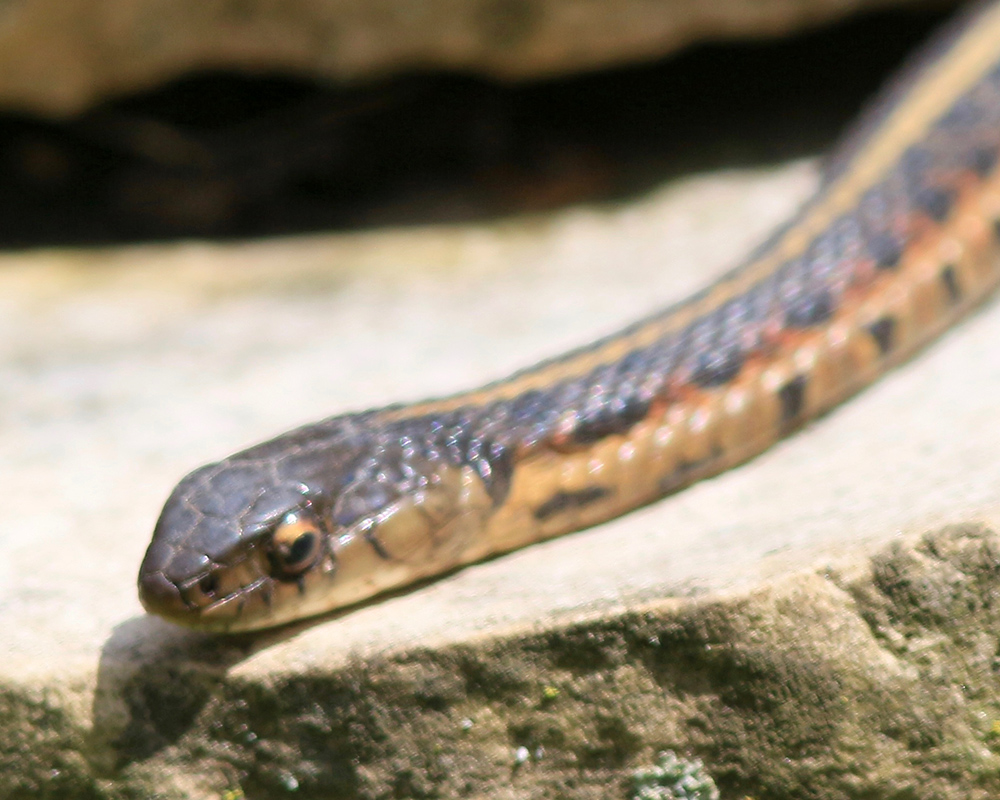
(125, 121)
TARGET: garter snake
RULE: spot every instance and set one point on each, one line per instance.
(900, 240)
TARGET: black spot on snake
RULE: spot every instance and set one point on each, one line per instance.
(377, 546)
(687, 471)
(810, 310)
(983, 161)
(885, 249)
(950, 281)
(501, 469)
(792, 398)
(718, 367)
(613, 415)
(882, 331)
(564, 501)
(937, 202)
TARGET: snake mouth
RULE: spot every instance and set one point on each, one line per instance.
(189, 606)
(239, 597)
(225, 613)
(215, 599)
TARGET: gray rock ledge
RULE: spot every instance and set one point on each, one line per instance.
(787, 622)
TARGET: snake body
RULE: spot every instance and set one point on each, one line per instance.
(900, 240)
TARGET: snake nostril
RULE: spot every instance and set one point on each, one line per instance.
(209, 584)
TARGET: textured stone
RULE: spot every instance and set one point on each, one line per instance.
(785, 622)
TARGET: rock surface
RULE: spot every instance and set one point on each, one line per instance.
(60, 56)
(785, 622)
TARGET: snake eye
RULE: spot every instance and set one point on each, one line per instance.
(295, 545)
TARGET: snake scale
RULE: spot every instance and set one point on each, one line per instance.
(899, 241)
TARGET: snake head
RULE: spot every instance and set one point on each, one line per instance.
(318, 519)
(234, 546)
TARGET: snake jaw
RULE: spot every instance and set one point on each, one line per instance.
(237, 598)
(245, 594)
(199, 599)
